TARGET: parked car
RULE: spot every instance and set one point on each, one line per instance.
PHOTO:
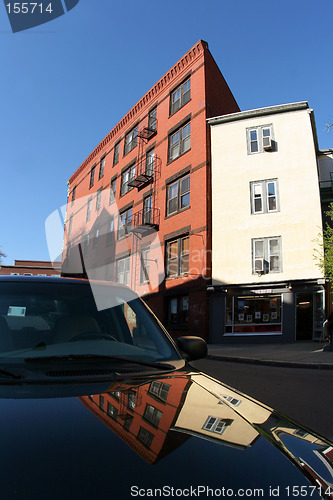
(98, 402)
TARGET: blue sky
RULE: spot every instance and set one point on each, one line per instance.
(65, 84)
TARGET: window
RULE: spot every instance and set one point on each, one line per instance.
(101, 168)
(264, 196)
(152, 120)
(95, 239)
(152, 414)
(159, 389)
(123, 270)
(124, 223)
(92, 177)
(128, 422)
(252, 315)
(131, 140)
(145, 437)
(116, 154)
(113, 191)
(178, 311)
(260, 139)
(73, 195)
(266, 255)
(98, 199)
(177, 257)
(89, 209)
(147, 209)
(150, 160)
(126, 177)
(217, 425)
(131, 401)
(180, 96)
(70, 224)
(180, 141)
(144, 268)
(178, 195)
(110, 231)
(101, 402)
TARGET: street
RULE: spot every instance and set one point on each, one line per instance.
(305, 395)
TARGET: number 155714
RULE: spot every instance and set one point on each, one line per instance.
(28, 8)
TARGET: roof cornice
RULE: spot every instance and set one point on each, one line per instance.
(252, 113)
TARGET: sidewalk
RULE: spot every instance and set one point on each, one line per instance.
(302, 354)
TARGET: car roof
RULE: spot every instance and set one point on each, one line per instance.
(40, 279)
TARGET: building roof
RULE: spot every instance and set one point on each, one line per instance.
(251, 113)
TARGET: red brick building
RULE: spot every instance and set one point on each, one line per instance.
(139, 207)
(32, 268)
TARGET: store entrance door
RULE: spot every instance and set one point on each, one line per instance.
(304, 316)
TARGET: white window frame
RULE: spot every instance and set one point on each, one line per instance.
(180, 96)
(266, 255)
(180, 141)
(260, 131)
(131, 140)
(123, 269)
(264, 196)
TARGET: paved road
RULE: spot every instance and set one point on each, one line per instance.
(306, 395)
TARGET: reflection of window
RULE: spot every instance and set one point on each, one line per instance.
(178, 195)
(112, 411)
(124, 223)
(126, 177)
(70, 224)
(131, 140)
(180, 141)
(128, 422)
(266, 255)
(95, 239)
(123, 270)
(101, 168)
(131, 401)
(177, 257)
(178, 311)
(152, 414)
(144, 269)
(264, 196)
(159, 389)
(217, 425)
(145, 436)
(101, 402)
(88, 209)
(113, 191)
(180, 96)
(116, 154)
(92, 177)
(231, 400)
(259, 139)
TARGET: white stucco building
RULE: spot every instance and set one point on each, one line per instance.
(266, 225)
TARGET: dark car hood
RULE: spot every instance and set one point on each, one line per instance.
(183, 431)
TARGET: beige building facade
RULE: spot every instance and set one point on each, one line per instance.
(266, 226)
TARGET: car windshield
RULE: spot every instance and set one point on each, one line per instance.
(69, 317)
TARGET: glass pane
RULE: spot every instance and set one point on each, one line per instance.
(186, 130)
(173, 249)
(272, 203)
(253, 135)
(185, 185)
(257, 189)
(274, 264)
(259, 248)
(266, 132)
(173, 190)
(185, 245)
(274, 247)
(172, 206)
(258, 205)
(271, 188)
(185, 200)
(254, 147)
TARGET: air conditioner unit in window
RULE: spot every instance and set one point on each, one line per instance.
(259, 266)
(267, 143)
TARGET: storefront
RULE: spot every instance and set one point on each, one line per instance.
(283, 313)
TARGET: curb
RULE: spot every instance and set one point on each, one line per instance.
(268, 362)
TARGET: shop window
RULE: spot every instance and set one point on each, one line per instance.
(253, 315)
(178, 311)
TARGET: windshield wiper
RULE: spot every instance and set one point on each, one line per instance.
(10, 374)
(77, 357)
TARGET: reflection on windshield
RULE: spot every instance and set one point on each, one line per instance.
(63, 318)
(157, 417)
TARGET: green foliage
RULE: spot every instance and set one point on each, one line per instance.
(327, 261)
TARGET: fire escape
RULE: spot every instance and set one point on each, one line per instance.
(148, 169)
